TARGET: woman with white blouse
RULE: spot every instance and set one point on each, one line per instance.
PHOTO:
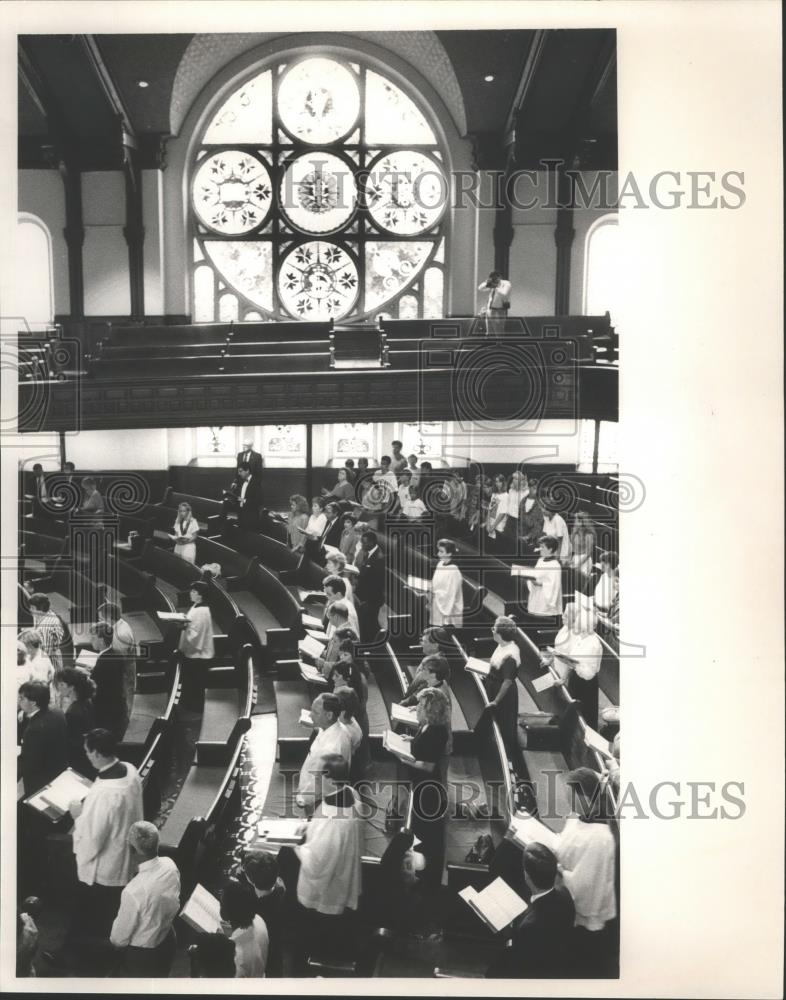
(555, 526)
(197, 646)
(577, 656)
(184, 533)
(507, 524)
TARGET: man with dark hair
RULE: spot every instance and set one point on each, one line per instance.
(48, 623)
(113, 676)
(101, 826)
(40, 491)
(332, 738)
(245, 497)
(261, 872)
(370, 589)
(43, 736)
(246, 928)
(398, 460)
(542, 940)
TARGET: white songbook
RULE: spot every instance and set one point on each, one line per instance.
(397, 744)
(497, 905)
(87, 659)
(525, 829)
(311, 674)
(407, 716)
(596, 742)
(317, 636)
(282, 831)
(476, 666)
(202, 911)
(528, 572)
(543, 683)
(172, 616)
(311, 622)
(418, 583)
(311, 595)
(310, 646)
(61, 792)
(306, 718)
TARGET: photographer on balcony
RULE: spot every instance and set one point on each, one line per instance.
(498, 304)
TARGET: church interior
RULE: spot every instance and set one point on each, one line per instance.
(317, 414)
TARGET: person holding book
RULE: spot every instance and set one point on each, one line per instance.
(343, 490)
(494, 507)
(348, 542)
(577, 656)
(184, 533)
(262, 874)
(76, 692)
(447, 587)
(555, 526)
(541, 939)
(197, 646)
(350, 711)
(143, 927)
(337, 621)
(545, 588)
(436, 671)
(336, 565)
(370, 589)
(123, 641)
(434, 640)
(582, 543)
(100, 838)
(332, 738)
(347, 672)
(297, 520)
(586, 853)
(501, 683)
(243, 925)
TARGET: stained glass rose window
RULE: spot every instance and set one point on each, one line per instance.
(318, 191)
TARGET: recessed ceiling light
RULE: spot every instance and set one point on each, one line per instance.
(142, 84)
(489, 78)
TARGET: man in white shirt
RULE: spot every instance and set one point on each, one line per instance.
(545, 591)
(148, 906)
(496, 308)
(332, 738)
(386, 475)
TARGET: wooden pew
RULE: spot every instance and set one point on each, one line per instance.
(157, 694)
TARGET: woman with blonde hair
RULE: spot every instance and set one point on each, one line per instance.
(577, 656)
(38, 666)
(297, 520)
(184, 533)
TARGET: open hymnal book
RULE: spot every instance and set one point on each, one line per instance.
(87, 659)
(202, 911)
(311, 646)
(318, 636)
(172, 616)
(525, 829)
(311, 595)
(306, 718)
(544, 682)
(310, 673)
(61, 792)
(418, 583)
(407, 716)
(310, 621)
(596, 742)
(528, 572)
(282, 831)
(497, 905)
(397, 744)
(476, 666)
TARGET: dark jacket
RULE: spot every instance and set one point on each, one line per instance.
(80, 719)
(273, 910)
(333, 532)
(542, 942)
(44, 748)
(254, 462)
(248, 515)
(110, 703)
(370, 588)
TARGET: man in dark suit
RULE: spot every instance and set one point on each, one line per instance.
(250, 458)
(370, 588)
(261, 872)
(249, 499)
(335, 525)
(114, 676)
(542, 945)
(44, 738)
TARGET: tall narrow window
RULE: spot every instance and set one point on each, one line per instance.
(318, 192)
(601, 267)
(33, 285)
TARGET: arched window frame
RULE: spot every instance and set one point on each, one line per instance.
(354, 241)
(611, 219)
(30, 219)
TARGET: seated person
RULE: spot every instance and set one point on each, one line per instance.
(545, 591)
(343, 490)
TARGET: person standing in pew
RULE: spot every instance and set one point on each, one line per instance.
(332, 738)
(343, 490)
(370, 590)
(545, 591)
(428, 773)
(554, 525)
(332, 533)
(311, 535)
(398, 461)
(76, 691)
(297, 520)
(42, 736)
(113, 677)
(586, 854)
(337, 622)
(530, 518)
(148, 907)
(607, 587)
(249, 499)
(500, 684)
(251, 458)
(436, 672)
(338, 589)
(50, 627)
(349, 540)
(577, 657)
(101, 823)
(243, 925)
(197, 646)
(582, 542)
(184, 533)
(347, 672)
(541, 944)
(350, 711)
(93, 503)
(262, 874)
(447, 587)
